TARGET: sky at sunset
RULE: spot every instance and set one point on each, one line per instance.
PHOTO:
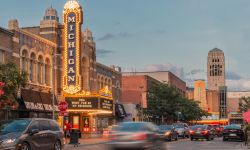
(151, 35)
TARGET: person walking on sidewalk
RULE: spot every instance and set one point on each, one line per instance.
(67, 127)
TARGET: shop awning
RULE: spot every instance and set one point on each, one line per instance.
(32, 100)
(48, 101)
(120, 111)
(39, 101)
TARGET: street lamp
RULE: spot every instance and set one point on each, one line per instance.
(53, 86)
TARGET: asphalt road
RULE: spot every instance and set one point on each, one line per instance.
(182, 144)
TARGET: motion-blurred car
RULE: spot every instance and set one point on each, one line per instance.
(136, 135)
(202, 132)
(233, 132)
(182, 129)
(168, 132)
(31, 134)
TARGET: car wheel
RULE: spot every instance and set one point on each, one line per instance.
(57, 145)
(25, 146)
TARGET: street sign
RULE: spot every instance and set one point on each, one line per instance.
(63, 106)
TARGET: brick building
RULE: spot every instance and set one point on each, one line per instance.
(164, 77)
(43, 50)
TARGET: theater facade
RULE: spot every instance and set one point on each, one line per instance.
(60, 58)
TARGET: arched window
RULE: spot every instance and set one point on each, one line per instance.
(24, 61)
(40, 69)
(47, 72)
(32, 70)
(102, 83)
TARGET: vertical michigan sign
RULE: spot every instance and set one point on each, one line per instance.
(72, 17)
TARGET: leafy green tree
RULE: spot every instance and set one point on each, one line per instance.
(244, 104)
(11, 81)
(164, 101)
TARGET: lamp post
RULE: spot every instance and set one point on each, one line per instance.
(141, 103)
(53, 85)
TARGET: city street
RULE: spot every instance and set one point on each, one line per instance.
(182, 144)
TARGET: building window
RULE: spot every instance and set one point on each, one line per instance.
(24, 61)
(40, 73)
(47, 72)
(2, 56)
(32, 70)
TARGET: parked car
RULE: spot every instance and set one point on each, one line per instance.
(168, 132)
(202, 132)
(31, 134)
(136, 135)
(182, 129)
(233, 132)
(218, 129)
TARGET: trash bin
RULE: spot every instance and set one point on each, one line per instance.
(74, 137)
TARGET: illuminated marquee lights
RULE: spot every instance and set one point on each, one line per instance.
(72, 17)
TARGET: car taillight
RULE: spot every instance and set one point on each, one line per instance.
(205, 132)
(140, 136)
(191, 132)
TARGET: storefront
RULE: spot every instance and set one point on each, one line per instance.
(35, 104)
(90, 114)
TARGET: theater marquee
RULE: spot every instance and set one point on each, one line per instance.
(72, 37)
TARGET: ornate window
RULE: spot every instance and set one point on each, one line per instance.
(47, 72)
(40, 69)
(24, 61)
(32, 70)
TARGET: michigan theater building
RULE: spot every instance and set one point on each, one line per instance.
(60, 58)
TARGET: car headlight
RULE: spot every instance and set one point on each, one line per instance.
(8, 141)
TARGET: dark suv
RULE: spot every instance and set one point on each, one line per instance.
(31, 134)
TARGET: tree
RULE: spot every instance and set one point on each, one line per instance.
(166, 102)
(244, 104)
(11, 81)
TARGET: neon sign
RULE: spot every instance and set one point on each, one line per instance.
(72, 37)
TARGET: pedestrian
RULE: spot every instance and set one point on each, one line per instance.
(67, 127)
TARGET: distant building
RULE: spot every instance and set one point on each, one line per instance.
(190, 93)
(200, 93)
(233, 99)
(223, 101)
(134, 89)
(164, 77)
(215, 69)
(213, 101)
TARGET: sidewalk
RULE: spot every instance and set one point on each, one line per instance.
(88, 140)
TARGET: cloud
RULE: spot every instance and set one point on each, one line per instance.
(103, 52)
(178, 71)
(110, 36)
(195, 71)
(107, 36)
(238, 85)
(232, 76)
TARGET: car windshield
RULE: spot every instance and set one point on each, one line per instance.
(13, 126)
(179, 125)
(233, 127)
(198, 127)
(165, 127)
(127, 127)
